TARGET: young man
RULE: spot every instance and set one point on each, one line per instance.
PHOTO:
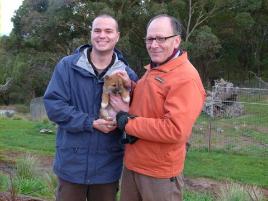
(89, 152)
(166, 102)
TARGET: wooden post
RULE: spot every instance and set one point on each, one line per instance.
(209, 135)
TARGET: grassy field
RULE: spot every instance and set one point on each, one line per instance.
(231, 167)
(23, 136)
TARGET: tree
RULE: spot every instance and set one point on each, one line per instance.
(204, 51)
(224, 38)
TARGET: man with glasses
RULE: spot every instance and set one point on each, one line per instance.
(166, 102)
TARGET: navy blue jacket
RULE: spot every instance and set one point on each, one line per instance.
(72, 99)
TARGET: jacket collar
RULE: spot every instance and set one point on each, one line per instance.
(176, 53)
(117, 52)
(81, 63)
(170, 65)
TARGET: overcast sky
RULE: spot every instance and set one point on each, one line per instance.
(7, 12)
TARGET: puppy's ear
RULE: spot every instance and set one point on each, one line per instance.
(120, 80)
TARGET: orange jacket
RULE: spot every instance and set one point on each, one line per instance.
(166, 100)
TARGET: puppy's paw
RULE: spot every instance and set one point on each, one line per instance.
(104, 105)
(126, 99)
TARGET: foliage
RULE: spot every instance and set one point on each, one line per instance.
(26, 168)
(224, 38)
(33, 187)
(20, 108)
(237, 192)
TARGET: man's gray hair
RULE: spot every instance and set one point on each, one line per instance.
(175, 23)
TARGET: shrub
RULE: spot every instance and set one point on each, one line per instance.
(20, 108)
(237, 192)
(32, 186)
(30, 180)
(27, 167)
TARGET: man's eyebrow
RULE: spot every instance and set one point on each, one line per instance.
(104, 28)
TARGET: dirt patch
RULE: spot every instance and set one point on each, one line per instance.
(209, 185)
(7, 197)
(202, 184)
(7, 161)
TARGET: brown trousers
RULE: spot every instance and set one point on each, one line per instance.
(137, 187)
(67, 191)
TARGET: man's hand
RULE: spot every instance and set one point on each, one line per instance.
(104, 126)
(122, 119)
(125, 77)
(118, 104)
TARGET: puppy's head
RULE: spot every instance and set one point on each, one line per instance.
(113, 83)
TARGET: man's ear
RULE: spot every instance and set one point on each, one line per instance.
(177, 41)
(118, 36)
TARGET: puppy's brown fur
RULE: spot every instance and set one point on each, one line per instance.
(113, 84)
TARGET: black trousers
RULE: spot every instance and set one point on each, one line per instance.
(67, 191)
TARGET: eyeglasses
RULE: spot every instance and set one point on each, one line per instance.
(158, 39)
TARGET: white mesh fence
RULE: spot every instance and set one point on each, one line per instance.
(237, 122)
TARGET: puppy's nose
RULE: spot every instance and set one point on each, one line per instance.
(116, 91)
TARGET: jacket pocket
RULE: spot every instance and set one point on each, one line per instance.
(110, 143)
(71, 161)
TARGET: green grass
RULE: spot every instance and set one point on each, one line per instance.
(221, 166)
(34, 187)
(196, 196)
(22, 135)
(3, 182)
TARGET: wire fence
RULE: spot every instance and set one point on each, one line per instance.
(236, 123)
(236, 120)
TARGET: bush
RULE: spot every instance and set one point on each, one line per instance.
(27, 168)
(237, 192)
(30, 180)
(33, 186)
(20, 108)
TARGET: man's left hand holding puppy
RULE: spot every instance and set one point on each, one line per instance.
(104, 125)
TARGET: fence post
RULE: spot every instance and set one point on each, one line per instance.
(37, 109)
(209, 135)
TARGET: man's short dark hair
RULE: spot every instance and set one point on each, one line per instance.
(107, 16)
(175, 23)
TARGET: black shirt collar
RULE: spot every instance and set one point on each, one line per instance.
(99, 75)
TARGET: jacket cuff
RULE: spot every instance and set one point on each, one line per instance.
(88, 124)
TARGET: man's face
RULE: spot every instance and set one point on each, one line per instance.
(160, 51)
(104, 34)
